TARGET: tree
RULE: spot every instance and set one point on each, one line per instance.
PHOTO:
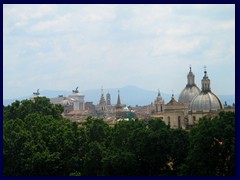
(38, 141)
(93, 159)
(179, 150)
(212, 147)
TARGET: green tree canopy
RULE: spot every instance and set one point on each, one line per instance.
(37, 140)
(212, 147)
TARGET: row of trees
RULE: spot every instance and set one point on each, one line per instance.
(38, 141)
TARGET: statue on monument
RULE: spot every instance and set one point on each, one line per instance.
(76, 90)
(36, 93)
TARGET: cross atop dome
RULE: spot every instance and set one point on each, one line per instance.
(205, 70)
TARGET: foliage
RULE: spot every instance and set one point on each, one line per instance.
(212, 147)
(38, 141)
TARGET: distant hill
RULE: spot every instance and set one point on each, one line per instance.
(130, 95)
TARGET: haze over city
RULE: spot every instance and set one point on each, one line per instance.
(60, 47)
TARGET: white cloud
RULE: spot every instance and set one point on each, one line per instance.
(57, 24)
(114, 45)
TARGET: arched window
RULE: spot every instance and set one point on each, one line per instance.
(169, 123)
(179, 122)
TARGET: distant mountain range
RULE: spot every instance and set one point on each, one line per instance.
(130, 95)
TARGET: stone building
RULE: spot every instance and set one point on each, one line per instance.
(206, 103)
(175, 114)
(73, 102)
(77, 100)
(159, 104)
(192, 104)
(90, 107)
(102, 106)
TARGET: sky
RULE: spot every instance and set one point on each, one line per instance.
(60, 47)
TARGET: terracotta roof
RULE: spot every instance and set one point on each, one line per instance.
(173, 102)
(77, 112)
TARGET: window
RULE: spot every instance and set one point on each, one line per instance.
(169, 123)
(194, 118)
(179, 122)
(187, 123)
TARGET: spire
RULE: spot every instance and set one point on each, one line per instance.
(118, 101)
(159, 94)
(102, 99)
(205, 82)
(102, 89)
(190, 77)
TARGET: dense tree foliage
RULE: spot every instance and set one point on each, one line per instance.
(212, 147)
(38, 141)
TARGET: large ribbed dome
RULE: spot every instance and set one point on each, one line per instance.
(190, 91)
(206, 101)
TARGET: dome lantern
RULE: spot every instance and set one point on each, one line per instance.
(205, 82)
(190, 78)
(190, 91)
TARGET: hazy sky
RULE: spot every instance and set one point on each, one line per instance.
(59, 47)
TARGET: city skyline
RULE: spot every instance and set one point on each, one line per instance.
(59, 47)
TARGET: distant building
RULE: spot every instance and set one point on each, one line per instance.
(175, 114)
(90, 107)
(77, 100)
(205, 103)
(119, 108)
(102, 106)
(73, 102)
(193, 104)
(108, 97)
(159, 105)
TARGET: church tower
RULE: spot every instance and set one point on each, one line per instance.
(159, 104)
(118, 107)
(102, 102)
(108, 97)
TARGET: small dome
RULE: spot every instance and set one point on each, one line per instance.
(205, 102)
(188, 93)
